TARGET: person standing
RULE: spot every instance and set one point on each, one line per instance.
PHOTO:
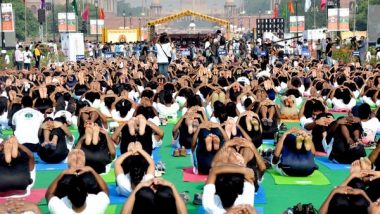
(37, 56)
(163, 54)
(362, 50)
(19, 58)
(329, 44)
(27, 55)
(318, 47)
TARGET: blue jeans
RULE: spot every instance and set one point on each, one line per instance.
(163, 69)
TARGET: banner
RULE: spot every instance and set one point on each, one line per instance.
(72, 45)
(93, 26)
(127, 35)
(297, 21)
(344, 19)
(68, 25)
(7, 17)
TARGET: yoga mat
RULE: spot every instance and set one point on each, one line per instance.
(317, 178)
(7, 132)
(42, 166)
(260, 196)
(268, 141)
(332, 165)
(260, 210)
(115, 198)
(290, 121)
(111, 209)
(109, 177)
(35, 196)
(322, 154)
(189, 176)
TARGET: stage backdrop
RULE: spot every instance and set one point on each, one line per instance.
(121, 35)
(293, 24)
(344, 19)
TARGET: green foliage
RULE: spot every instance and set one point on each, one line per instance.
(31, 21)
(361, 16)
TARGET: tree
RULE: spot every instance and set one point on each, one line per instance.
(31, 20)
(361, 16)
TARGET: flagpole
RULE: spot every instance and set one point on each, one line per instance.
(67, 9)
(25, 21)
(297, 18)
(315, 20)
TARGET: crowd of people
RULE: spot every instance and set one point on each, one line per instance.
(223, 106)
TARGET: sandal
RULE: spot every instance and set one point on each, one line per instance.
(283, 127)
(197, 199)
(185, 196)
(183, 152)
(160, 166)
(176, 153)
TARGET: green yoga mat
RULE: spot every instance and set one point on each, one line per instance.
(109, 177)
(317, 178)
(112, 209)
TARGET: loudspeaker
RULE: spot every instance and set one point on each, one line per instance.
(41, 16)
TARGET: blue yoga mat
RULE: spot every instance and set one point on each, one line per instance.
(42, 166)
(331, 165)
(260, 210)
(268, 141)
(115, 198)
(260, 197)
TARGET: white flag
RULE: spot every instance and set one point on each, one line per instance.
(307, 5)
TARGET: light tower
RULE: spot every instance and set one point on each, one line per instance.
(155, 8)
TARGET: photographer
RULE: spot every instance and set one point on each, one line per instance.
(362, 50)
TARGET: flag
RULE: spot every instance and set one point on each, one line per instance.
(75, 6)
(85, 13)
(42, 4)
(101, 13)
(307, 5)
(290, 7)
(323, 4)
(284, 13)
(275, 11)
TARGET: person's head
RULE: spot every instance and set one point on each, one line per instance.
(144, 201)
(318, 108)
(136, 166)
(231, 109)
(77, 192)
(164, 38)
(220, 111)
(27, 101)
(26, 48)
(364, 111)
(164, 199)
(228, 187)
(168, 97)
(123, 107)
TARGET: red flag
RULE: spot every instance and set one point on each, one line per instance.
(85, 13)
(101, 13)
(275, 11)
(291, 7)
(323, 4)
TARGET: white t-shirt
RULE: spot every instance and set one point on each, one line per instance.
(161, 57)
(124, 185)
(27, 56)
(340, 105)
(27, 122)
(304, 121)
(4, 120)
(167, 111)
(370, 129)
(95, 204)
(116, 115)
(212, 203)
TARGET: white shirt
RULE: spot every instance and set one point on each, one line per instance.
(161, 57)
(4, 120)
(124, 185)
(340, 105)
(18, 56)
(27, 122)
(370, 129)
(213, 204)
(304, 121)
(167, 111)
(95, 204)
(116, 115)
(27, 56)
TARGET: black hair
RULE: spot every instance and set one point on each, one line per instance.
(228, 187)
(108, 101)
(247, 103)
(296, 82)
(92, 96)
(148, 111)
(3, 105)
(359, 81)
(144, 201)
(292, 91)
(205, 91)
(168, 97)
(165, 201)
(77, 192)
(306, 83)
(27, 101)
(364, 111)
(340, 79)
(43, 104)
(123, 107)
(220, 111)
(231, 109)
(147, 93)
(136, 166)
(194, 100)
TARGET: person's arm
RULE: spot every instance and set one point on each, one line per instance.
(374, 154)
(175, 130)
(157, 130)
(195, 137)
(53, 186)
(80, 142)
(149, 159)
(230, 169)
(128, 206)
(110, 143)
(116, 134)
(65, 129)
(118, 168)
